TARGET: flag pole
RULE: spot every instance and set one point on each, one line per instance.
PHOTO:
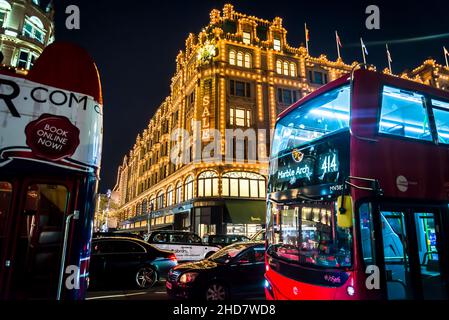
(363, 51)
(389, 58)
(446, 53)
(338, 44)
(307, 37)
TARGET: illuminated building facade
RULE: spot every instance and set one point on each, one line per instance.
(239, 72)
(26, 28)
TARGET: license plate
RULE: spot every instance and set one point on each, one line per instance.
(168, 285)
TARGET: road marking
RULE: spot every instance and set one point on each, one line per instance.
(118, 296)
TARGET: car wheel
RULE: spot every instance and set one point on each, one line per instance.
(146, 277)
(216, 292)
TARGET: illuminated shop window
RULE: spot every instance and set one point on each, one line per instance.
(441, 114)
(240, 117)
(34, 29)
(403, 114)
(246, 37)
(232, 57)
(277, 44)
(208, 184)
(178, 192)
(243, 184)
(188, 188)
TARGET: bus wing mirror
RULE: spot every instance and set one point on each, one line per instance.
(344, 211)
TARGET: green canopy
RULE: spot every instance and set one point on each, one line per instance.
(246, 211)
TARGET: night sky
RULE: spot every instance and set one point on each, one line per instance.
(135, 43)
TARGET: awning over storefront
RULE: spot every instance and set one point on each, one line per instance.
(246, 211)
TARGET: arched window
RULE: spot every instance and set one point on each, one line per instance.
(178, 192)
(240, 59)
(208, 184)
(138, 209)
(278, 67)
(285, 68)
(243, 184)
(188, 188)
(170, 198)
(292, 69)
(144, 206)
(247, 60)
(232, 57)
(152, 203)
(34, 29)
(160, 200)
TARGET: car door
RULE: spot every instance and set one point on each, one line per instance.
(247, 272)
(97, 264)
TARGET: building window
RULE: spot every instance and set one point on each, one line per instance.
(178, 192)
(160, 200)
(152, 203)
(5, 8)
(246, 37)
(243, 184)
(277, 44)
(240, 117)
(188, 188)
(144, 206)
(34, 29)
(247, 60)
(26, 59)
(240, 59)
(287, 96)
(208, 184)
(292, 69)
(232, 57)
(278, 67)
(317, 77)
(240, 88)
(170, 199)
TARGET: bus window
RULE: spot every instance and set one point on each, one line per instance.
(403, 114)
(366, 234)
(426, 233)
(41, 238)
(323, 115)
(441, 114)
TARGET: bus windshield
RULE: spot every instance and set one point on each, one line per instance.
(316, 118)
(307, 234)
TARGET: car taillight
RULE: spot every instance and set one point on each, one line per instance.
(172, 257)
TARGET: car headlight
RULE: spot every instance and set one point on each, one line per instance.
(188, 277)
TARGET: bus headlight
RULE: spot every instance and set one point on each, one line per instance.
(350, 290)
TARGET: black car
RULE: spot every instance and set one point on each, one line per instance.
(224, 240)
(128, 261)
(236, 271)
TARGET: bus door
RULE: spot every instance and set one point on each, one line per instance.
(31, 249)
(411, 250)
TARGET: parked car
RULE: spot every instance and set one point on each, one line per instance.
(236, 271)
(128, 261)
(224, 240)
(259, 235)
(186, 245)
(116, 234)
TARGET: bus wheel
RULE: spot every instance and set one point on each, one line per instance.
(146, 277)
(216, 292)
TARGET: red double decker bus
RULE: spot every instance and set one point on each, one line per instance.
(359, 193)
(51, 126)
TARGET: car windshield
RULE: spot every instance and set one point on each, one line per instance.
(226, 254)
(307, 234)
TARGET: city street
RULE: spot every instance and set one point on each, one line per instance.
(157, 292)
